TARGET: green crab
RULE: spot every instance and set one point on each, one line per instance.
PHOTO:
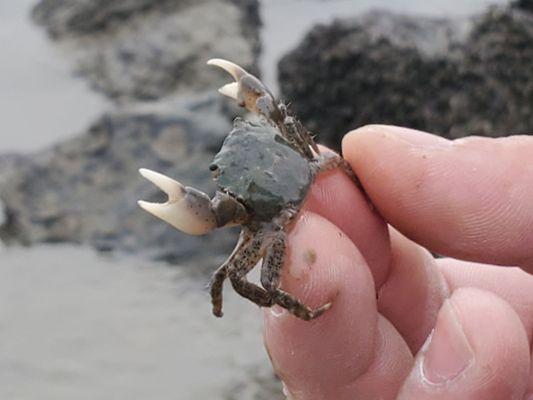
(263, 171)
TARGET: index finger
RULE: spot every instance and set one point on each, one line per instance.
(468, 198)
(335, 197)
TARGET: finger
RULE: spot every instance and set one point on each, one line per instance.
(414, 291)
(468, 198)
(325, 357)
(511, 284)
(478, 351)
(391, 365)
(335, 197)
(529, 390)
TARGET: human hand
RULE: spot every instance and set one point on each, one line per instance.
(402, 321)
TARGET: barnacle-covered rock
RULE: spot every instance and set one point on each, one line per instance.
(526, 5)
(146, 49)
(454, 77)
(81, 190)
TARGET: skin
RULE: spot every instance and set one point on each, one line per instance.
(404, 325)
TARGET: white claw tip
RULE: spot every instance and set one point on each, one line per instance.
(142, 204)
(233, 69)
(172, 188)
(186, 209)
(230, 90)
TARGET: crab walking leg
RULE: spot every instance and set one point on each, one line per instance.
(294, 131)
(220, 275)
(215, 289)
(295, 134)
(270, 279)
(273, 263)
(329, 161)
(243, 263)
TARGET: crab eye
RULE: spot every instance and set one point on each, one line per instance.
(213, 167)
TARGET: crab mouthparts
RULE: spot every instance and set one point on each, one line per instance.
(186, 209)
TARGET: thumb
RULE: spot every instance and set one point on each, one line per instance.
(478, 350)
(348, 352)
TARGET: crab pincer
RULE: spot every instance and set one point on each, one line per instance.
(190, 210)
(187, 209)
(247, 90)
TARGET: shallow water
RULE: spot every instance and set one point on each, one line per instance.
(74, 325)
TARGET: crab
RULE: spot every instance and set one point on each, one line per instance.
(264, 171)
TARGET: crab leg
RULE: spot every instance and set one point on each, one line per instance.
(298, 137)
(270, 279)
(243, 263)
(190, 210)
(329, 161)
(220, 275)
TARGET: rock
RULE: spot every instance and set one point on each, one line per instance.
(85, 190)
(9, 165)
(78, 17)
(134, 50)
(526, 5)
(452, 77)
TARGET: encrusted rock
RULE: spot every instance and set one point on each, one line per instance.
(526, 5)
(9, 165)
(143, 50)
(84, 190)
(452, 77)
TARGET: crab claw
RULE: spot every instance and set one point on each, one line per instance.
(230, 90)
(247, 90)
(187, 209)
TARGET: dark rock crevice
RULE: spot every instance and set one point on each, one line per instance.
(526, 5)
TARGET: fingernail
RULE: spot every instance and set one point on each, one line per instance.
(449, 352)
(277, 311)
(286, 392)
